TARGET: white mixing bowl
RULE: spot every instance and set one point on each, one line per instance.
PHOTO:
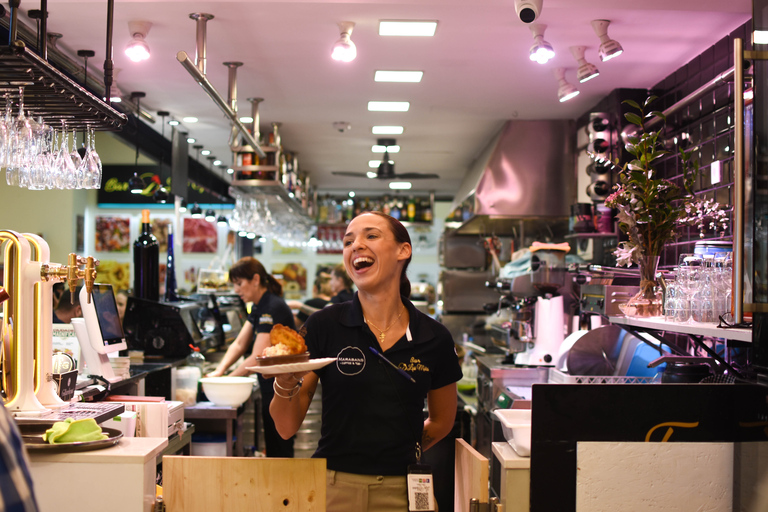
(228, 391)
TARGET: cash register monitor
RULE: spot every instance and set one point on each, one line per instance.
(105, 331)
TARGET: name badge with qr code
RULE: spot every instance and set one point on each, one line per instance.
(421, 489)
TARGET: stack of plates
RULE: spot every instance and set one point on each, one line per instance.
(121, 366)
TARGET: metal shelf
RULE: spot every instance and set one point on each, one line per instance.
(708, 330)
(50, 94)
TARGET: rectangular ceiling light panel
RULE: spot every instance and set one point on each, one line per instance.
(381, 149)
(387, 130)
(388, 106)
(398, 76)
(407, 28)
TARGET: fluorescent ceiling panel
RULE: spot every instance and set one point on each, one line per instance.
(407, 28)
(387, 130)
(388, 106)
(380, 149)
(398, 76)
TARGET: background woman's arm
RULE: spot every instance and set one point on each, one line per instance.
(441, 404)
(235, 350)
(262, 342)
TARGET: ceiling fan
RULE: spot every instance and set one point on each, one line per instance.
(386, 170)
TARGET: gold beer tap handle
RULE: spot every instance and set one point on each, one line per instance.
(73, 274)
(90, 275)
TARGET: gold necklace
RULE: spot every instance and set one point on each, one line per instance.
(383, 333)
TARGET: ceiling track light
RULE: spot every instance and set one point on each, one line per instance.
(344, 49)
(609, 48)
(196, 211)
(587, 70)
(541, 51)
(221, 220)
(136, 184)
(183, 206)
(565, 90)
(138, 49)
(161, 195)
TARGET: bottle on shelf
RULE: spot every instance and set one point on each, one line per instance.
(146, 262)
(170, 271)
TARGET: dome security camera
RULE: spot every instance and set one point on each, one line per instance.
(341, 126)
(528, 10)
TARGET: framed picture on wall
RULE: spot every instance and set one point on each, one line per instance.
(199, 236)
(293, 277)
(113, 234)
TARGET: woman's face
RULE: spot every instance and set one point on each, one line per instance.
(122, 302)
(372, 256)
(336, 283)
(248, 289)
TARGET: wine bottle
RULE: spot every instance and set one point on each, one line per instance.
(146, 262)
(170, 271)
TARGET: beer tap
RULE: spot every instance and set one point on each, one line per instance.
(72, 273)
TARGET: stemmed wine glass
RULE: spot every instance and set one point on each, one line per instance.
(91, 164)
(74, 176)
(64, 167)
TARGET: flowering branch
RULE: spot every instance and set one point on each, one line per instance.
(650, 207)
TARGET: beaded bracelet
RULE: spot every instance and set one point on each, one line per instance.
(292, 392)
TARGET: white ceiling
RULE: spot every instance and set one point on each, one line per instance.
(476, 69)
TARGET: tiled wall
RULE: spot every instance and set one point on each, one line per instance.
(706, 127)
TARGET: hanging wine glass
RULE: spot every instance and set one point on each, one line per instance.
(11, 167)
(5, 131)
(40, 157)
(64, 165)
(94, 163)
(74, 178)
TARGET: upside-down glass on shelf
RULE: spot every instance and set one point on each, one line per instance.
(701, 290)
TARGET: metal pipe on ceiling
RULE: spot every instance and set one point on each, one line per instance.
(193, 70)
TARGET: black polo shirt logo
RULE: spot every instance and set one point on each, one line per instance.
(351, 361)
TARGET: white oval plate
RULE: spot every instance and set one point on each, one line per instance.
(312, 364)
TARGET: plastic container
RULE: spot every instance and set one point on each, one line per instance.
(516, 425)
(187, 378)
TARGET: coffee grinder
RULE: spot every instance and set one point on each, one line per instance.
(548, 272)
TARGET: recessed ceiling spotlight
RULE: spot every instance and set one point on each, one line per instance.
(173, 122)
(205, 152)
(541, 51)
(217, 162)
(387, 130)
(398, 76)
(388, 106)
(565, 90)
(378, 148)
(587, 70)
(190, 119)
(609, 48)
(407, 28)
(372, 174)
(374, 164)
(191, 140)
(230, 170)
(344, 49)
(400, 185)
(246, 119)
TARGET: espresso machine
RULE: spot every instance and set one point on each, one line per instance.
(532, 312)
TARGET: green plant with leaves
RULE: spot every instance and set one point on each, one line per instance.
(650, 207)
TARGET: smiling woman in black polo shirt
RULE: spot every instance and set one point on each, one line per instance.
(372, 420)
